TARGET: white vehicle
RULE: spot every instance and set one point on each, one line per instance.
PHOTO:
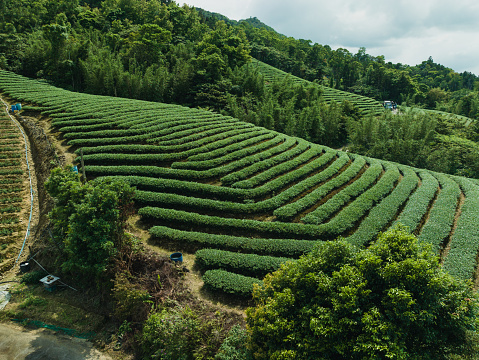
(391, 105)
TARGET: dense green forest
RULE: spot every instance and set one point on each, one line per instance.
(159, 51)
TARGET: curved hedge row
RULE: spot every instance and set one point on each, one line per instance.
(245, 264)
(283, 168)
(189, 174)
(383, 214)
(340, 199)
(289, 248)
(289, 149)
(262, 142)
(418, 204)
(289, 211)
(220, 224)
(192, 148)
(183, 187)
(441, 217)
(169, 154)
(230, 283)
(234, 147)
(461, 259)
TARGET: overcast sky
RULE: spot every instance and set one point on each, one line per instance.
(404, 31)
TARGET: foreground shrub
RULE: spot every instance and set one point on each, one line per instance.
(182, 332)
(234, 347)
(391, 301)
(171, 334)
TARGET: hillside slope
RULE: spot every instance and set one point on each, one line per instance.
(255, 197)
(367, 105)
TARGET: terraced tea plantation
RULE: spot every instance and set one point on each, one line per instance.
(368, 106)
(249, 198)
(14, 191)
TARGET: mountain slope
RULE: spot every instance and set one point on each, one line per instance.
(210, 181)
(368, 106)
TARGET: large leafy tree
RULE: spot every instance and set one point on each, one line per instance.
(89, 219)
(391, 301)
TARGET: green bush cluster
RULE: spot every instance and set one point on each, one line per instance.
(392, 300)
(234, 347)
(289, 211)
(230, 283)
(383, 214)
(289, 248)
(171, 334)
(181, 332)
(461, 259)
(33, 277)
(419, 202)
(339, 200)
(441, 216)
(249, 147)
(278, 154)
(246, 264)
(283, 168)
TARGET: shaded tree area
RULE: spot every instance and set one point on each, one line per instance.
(89, 221)
(293, 109)
(367, 75)
(152, 50)
(434, 142)
(390, 301)
(158, 51)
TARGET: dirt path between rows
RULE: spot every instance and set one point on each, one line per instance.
(19, 343)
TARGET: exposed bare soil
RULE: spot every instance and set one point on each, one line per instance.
(17, 342)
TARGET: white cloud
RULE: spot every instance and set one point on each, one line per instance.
(405, 31)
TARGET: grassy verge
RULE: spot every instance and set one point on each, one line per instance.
(62, 308)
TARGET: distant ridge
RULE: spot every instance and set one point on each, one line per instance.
(253, 21)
